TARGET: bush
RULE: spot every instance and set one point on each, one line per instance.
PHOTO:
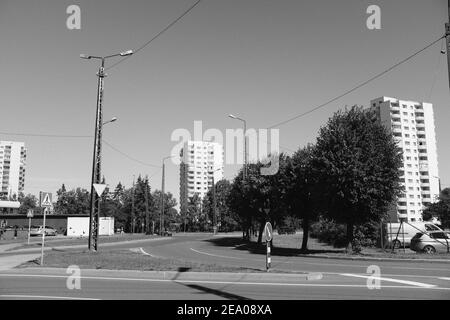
(335, 234)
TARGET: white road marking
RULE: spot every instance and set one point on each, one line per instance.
(147, 254)
(214, 255)
(444, 278)
(413, 283)
(43, 297)
(225, 282)
(362, 266)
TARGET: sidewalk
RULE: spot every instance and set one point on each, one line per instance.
(9, 262)
(9, 246)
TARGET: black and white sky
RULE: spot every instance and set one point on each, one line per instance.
(263, 60)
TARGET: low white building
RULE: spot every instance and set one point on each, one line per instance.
(79, 226)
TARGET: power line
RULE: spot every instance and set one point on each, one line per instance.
(356, 87)
(158, 34)
(129, 157)
(43, 135)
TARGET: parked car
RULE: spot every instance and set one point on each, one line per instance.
(286, 230)
(431, 242)
(396, 232)
(37, 231)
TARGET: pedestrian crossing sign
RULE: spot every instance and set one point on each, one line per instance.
(45, 199)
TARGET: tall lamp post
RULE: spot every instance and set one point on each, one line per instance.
(96, 165)
(245, 144)
(215, 227)
(161, 218)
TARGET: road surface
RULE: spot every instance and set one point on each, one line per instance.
(331, 278)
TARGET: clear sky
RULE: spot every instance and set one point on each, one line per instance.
(263, 60)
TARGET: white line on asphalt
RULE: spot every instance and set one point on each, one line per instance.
(225, 282)
(444, 278)
(43, 297)
(362, 266)
(214, 255)
(147, 254)
(413, 283)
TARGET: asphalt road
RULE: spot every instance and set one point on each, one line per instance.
(339, 279)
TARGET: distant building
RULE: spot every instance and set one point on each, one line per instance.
(412, 125)
(12, 168)
(200, 162)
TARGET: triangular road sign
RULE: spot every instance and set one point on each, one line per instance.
(46, 200)
(99, 188)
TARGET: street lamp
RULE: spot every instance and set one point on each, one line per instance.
(215, 227)
(96, 165)
(245, 143)
(112, 120)
(161, 218)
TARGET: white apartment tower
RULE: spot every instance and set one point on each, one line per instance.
(412, 125)
(12, 167)
(200, 162)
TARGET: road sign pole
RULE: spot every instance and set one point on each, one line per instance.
(268, 259)
(43, 238)
(29, 228)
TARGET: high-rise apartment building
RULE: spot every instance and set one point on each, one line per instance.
(412, 125)
(201, 163)
(12, 167)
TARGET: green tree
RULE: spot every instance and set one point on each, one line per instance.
(302, 189)
(225, 216)
(439, 209)
(171, 215)
(260, 198)
(357, 164)
(76, 201)
(194, 210)
(27, 202)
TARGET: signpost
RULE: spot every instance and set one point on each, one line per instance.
(268, 235)
(45, 201)
(29, 216)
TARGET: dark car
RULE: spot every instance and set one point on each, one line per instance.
(286, 230)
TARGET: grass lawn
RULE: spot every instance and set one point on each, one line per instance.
(126, 260)
(287, 245)
(64, 241)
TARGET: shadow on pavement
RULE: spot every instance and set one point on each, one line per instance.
(219, 293)
(239, 244)
(203, 289)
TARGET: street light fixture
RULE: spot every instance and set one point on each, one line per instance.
(113, 119)
(245, 143)
(96, 165)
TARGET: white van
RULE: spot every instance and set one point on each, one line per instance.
(396, 232)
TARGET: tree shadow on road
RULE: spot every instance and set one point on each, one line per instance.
(205, 290)
(237, 243)
(216, 292)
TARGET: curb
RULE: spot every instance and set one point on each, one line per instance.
(374, 259)
(185, 276)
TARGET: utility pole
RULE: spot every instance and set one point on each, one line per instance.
(147, 213)
(447, 35)
(214, 205)
(94, 213)
(132, 208)
(161, 218)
